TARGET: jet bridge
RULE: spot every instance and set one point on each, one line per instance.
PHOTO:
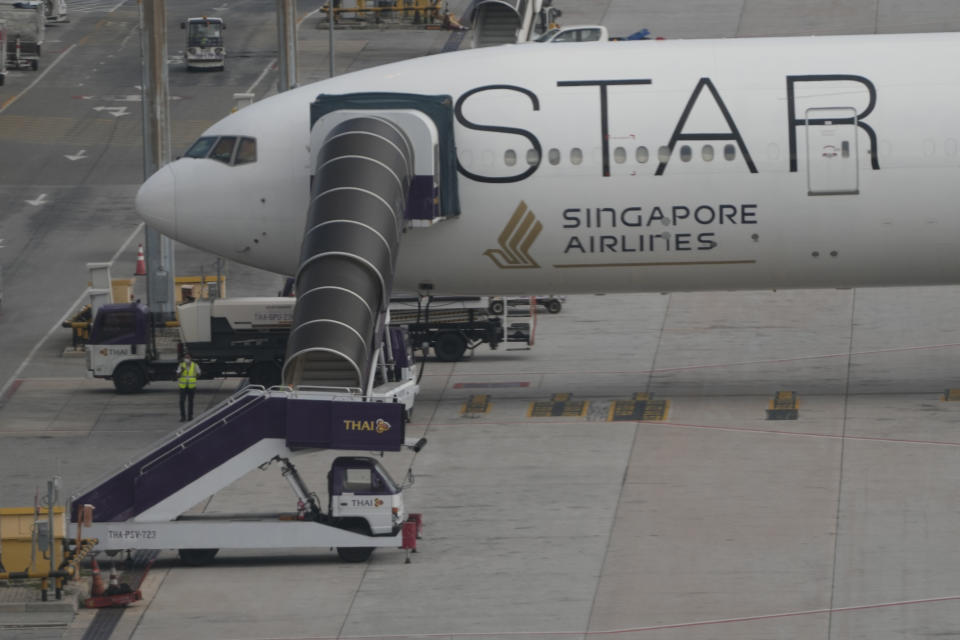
(383, 162)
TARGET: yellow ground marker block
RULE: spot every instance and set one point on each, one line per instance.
(559, 406)
(642, 408)
(951, 395)
(784, 406)
(476, 404)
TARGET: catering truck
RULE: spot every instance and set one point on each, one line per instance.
(205, 48)
(227, 337)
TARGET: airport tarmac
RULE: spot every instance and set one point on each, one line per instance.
(687, 513)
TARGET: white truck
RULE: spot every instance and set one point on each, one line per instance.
(227, 337)
(586, 33)
(205, 48)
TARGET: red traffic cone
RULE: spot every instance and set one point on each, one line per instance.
(141, 263)
(96, 587)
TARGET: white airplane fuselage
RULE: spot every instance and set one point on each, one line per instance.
(761, 163)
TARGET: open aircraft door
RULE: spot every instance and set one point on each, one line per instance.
(832, 161)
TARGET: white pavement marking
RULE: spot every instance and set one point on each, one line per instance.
(9, 102)
(39, 200)
(57, 325)
(270, 64)
(116, 112)
(79, 155)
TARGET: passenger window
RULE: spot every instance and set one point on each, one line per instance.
(729, 152)
(663, 154)
(223, 150)
(707, 152)
(510, 157)
(576, 156)
(201, 147)
(619, 155)
(246, 151)
(554, 156)
(533, 157)
(642, 155)
(686, 153)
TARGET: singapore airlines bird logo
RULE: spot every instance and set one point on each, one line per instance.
(515, 240)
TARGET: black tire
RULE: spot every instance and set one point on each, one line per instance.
(496, 307)
(265, 374)
(449, 346)
(34, 64)
(129, 377)
(553, 306)
(354, 554)
(197, 557)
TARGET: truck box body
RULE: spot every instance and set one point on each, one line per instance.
(28, 23)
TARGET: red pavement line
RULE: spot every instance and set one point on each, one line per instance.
(680, 425)
(707, 366)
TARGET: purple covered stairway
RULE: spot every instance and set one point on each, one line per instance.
(238, 435)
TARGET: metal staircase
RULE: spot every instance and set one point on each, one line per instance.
(497, 22)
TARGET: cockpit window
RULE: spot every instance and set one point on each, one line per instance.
(222, 149)
(246, 151)
(200, 148)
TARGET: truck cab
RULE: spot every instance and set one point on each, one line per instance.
(363, 496)
(205, 48)
(578, 33)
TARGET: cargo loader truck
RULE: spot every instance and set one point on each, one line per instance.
(226, 337)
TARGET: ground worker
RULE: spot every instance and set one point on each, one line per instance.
(187, 373)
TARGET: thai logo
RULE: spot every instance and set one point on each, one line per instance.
(378, 426)
(515, 240)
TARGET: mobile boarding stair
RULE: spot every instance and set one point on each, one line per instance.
(497, 22)
(384, 162)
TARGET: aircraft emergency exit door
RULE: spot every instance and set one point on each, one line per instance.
(832, 161)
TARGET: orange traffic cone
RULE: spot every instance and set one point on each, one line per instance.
(96, 587)
(141, 263)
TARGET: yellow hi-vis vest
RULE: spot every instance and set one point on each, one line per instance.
(188, 375)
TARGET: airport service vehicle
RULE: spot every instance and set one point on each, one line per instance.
(586, 33)
(55, 10)
(451, 325)
(136, 508)
(226, 337)
(205, 48)
(26, 29)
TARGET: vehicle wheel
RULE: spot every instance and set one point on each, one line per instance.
(449, 346)
(34, 65)
(197, 557)
(265, 374)
(496, 307)
(129, 378)
(553, 306)
(354, 554)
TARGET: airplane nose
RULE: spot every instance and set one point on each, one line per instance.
(156, 201)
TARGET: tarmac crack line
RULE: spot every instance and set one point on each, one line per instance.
(843, 448)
